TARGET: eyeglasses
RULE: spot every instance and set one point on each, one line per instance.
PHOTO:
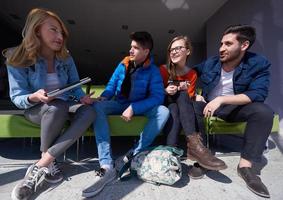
(177, 49)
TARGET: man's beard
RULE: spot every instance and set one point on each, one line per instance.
(231, 57)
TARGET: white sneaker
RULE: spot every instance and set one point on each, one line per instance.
(104, 177)
(27, 187)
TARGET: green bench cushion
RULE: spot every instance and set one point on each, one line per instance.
(216, 125)
(13, 125)
(16, 126)
(98, 89)
(120, 127)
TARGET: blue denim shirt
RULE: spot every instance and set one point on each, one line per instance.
(251, 77)
(26, 80)
(147, 88)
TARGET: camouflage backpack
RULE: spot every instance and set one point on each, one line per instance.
(158, 165)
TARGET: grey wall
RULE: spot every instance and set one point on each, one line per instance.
(267, 17)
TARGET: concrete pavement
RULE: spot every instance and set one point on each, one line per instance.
(16, 156)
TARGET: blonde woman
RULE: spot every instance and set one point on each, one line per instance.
(40, 64)
(180, 82)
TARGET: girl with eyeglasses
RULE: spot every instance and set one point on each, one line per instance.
(180, 85)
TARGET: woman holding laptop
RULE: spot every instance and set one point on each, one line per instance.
(40, 64)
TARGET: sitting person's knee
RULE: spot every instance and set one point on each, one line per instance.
(263, 110)
(88, 111)
(97, 106)
(183, 94)
(59, 107)
(163, 110)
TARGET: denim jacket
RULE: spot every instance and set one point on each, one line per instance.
(251, 77)
(147, 88)
(26, 80)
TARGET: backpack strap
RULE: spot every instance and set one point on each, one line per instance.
(126, 167)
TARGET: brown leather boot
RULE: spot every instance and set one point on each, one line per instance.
(198, 152)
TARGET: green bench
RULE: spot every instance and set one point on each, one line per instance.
(215, 126)
(14, 125)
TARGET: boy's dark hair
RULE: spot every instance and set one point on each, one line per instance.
(143, 38)
(244, 33)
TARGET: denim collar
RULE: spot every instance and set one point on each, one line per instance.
(58, 63)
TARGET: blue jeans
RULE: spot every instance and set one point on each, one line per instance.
(157, 118)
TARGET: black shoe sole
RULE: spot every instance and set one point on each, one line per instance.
(207, 166)
(196, 177)
(251, 189)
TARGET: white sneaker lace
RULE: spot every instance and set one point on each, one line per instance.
(53, 168)
(34, 176)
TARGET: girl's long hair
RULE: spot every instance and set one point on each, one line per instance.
(28, 51)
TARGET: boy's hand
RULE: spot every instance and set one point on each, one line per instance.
(128, 114)
(200, 98)
(87, 99)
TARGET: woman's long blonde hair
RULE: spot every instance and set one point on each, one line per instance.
(171, 66)
(28, 51)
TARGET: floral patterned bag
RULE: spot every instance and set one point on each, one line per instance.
(158, 165)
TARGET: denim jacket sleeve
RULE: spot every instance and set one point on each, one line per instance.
(19, 86)
(73, 76)
(115, 79)
(258, 88)
(198, 68)
(156, 94)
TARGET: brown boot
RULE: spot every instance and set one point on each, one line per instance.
(198, 152)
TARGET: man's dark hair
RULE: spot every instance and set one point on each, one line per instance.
(143, 38)
(244, 33)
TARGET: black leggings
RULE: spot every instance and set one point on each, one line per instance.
(182, 116)
(259, 118)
